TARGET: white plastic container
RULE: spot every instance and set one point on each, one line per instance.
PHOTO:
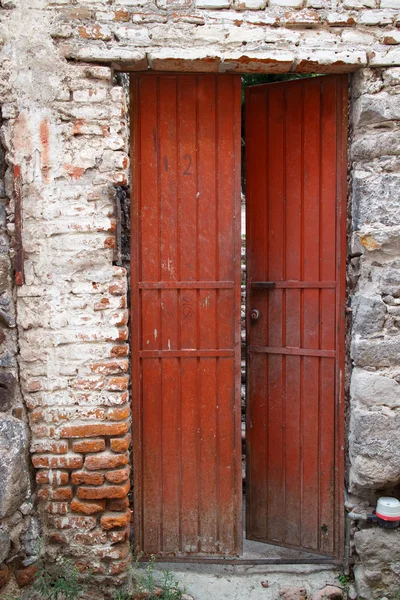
(388, 511)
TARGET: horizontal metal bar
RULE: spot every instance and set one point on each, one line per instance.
(293, 351)
(263, 284)
(293, 284)
(185, 353)
(181, 285)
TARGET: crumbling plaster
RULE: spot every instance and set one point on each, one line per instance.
(64, 125)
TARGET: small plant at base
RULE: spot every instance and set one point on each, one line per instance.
(344, 580)
(145, 584)
(57, 582)
(121, 596)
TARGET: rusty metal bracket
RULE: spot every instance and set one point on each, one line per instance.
(18, 247)
(263, 285)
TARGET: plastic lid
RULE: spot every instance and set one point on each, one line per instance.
(388, 508)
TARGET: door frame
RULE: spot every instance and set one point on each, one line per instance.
(340, 333)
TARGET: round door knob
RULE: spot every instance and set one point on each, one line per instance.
(254, 314)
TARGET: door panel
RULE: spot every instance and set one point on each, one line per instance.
(295, 191)
(186, 313)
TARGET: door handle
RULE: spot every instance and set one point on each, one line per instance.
(255, 314)
(263, 285)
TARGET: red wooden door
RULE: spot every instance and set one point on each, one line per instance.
(296, 175)
(186, 313)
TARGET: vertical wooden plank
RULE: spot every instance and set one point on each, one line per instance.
(206, 305)
(152, 473)
(228, 452)
(187, 173)
(327, 312)
(190, 457)
(311, 173)
(171, 458)
(276, 314)
(256, 410)
(293, 256)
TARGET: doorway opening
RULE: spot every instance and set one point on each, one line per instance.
(236, 371)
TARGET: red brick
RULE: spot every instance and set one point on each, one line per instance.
(82, 431)
(37, 415)
(4, 576)
(120, 444)
(118, 476)
(110, 367)
(114, 520)
(87, 508)
(90, 538)
(120, 351)
(57, 462)
(43, 494)
(122, 15)
(116, 552)
(118, 567)
(106, 461)
(119, 504)
(118, 384)
(52, 446)
(54, 478)
(94, 384)
(58, 538)
(26, 576)
(120, 413)
(118, 536)
(90, 567)
(106, 491)
(72, 522)
(86, 446)
(61, 494)
(54, 494)
(89, 478)
(57, 508)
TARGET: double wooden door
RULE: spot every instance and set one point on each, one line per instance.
(185, 313)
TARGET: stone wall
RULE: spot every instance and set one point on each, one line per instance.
(65, 127)
(375, 391)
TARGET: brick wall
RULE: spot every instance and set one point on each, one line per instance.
(65, 126)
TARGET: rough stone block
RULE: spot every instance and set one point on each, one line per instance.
(376, 17)
(289, 3)
(368, 315)
(250, 4)
(391, 76)
(374, 448)
(14, 473)
(390, 4)
(385, 59)
(391, 37)
(369, 109)
(212, 4)
(376, 198)
(4, 544)
(369, 389)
